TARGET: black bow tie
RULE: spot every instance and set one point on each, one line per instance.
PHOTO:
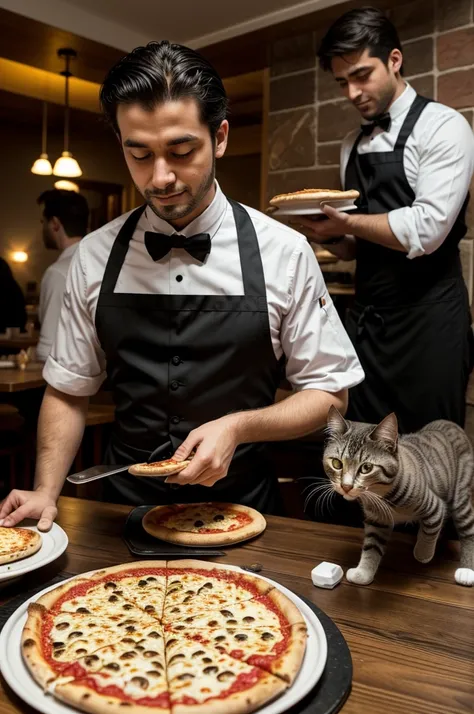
(159, 244)
(384, 121)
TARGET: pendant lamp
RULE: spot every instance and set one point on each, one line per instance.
(67, 166)
(42, 166)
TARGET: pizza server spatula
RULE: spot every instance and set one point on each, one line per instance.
(164, 451)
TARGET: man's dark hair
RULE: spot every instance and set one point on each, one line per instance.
(162, 72)
(358, 30)
(69, 207)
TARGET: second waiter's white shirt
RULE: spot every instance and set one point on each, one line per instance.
(304, 324)
(438, 160)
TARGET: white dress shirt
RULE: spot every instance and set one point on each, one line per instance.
(52, 290)
(438, 162)
(306, 330)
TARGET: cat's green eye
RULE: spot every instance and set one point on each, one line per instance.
(336, 464)
(366, 468)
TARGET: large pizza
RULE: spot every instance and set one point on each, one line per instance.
(204, 524)
(156, 637)
(18, 543)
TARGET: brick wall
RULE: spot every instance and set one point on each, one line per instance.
(309, 118)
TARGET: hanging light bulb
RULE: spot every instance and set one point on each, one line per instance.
(66, 186)
(67, 165)
(42, 166)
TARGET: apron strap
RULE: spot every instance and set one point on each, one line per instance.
(250, 258)
(119, 251)
(419, 103)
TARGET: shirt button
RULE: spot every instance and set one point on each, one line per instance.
(179, 278)
(176, 361)
(175, 420)
(174, 385)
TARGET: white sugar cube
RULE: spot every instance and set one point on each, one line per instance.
(327, 575)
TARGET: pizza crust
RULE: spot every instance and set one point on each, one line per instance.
(171, 535)
(83, 697)
(313, 194)
(268, 688)
(26, 543)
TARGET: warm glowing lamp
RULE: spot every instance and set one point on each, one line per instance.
(67, 165)
(19, 256)
(42, 166)
(66, 186)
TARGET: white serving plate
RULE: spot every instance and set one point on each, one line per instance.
(312, 208)
(19, 679)
(54, 543)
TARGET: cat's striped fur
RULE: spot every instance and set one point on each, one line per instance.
(423, 477)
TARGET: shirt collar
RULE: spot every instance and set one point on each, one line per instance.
(209, 221)
(403, 103)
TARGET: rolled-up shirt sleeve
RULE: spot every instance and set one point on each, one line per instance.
(76, 364)
(318, 351)
(444, 175)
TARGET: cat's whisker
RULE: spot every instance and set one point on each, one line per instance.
(320, 498)
(316, 488)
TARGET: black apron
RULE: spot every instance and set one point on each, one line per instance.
(175, 362)
(411, 323)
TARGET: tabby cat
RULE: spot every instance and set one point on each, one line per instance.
(423, 477)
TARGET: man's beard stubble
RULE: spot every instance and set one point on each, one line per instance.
(383, 103)
(177, 212)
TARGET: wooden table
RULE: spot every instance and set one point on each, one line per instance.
(17, 380)
(22, 342)
(411, 633)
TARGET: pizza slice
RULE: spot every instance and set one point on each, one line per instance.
(18, 543)
(143, 584)
(194, 586)
(159, 468)
(271, 610)
(51, 641)
(202, 680)
(276, 650)
(129, 675)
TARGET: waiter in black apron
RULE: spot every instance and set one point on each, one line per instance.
(412, 162)
(193, 307)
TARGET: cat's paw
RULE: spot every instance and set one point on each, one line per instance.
(464, 576)
(359, 576)
(424, 551)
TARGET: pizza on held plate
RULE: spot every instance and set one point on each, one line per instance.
(313, 194)
(203, 524)
(155, 637)
(18, 543)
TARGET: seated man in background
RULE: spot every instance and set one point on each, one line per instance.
(65, 218)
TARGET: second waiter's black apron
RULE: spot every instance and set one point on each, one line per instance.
(175, 362)
(411, 323)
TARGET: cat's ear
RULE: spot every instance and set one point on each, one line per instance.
(387, 432)
(337, 425)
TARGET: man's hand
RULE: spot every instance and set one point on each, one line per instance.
(215, 444)
(28, 504)
(336, 224)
